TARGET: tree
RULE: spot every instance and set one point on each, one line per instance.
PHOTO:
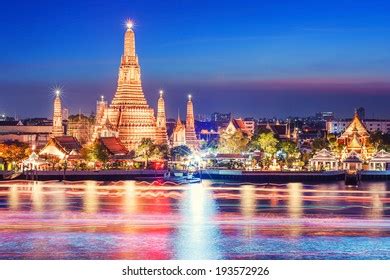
(145, 150)
(291, 151)
(233, 143)
(13, 152)
(266, 142)
(95, 152)
(319, 144)
(180, 152)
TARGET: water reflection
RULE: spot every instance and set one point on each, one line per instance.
(91, 198)
(248, 207)
(37, 197)
(197, 234)
(13, 197)
(130, 198)
(133, 220)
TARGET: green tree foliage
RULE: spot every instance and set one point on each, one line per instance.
(95, 152)
(291, 152)
(180, 152)
(380, 141)
(233, 143)
(147, 150)
(266, 142)
(319, 144)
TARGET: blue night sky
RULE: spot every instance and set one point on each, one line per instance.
(253, 58)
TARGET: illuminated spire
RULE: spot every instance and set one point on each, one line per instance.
(57, 129)
(161, 132)
(191, 139)
(129, 48)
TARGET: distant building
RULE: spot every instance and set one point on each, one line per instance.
(250, 125)
(325, 116)
(281, 130)
(221, 117)
(372, 125)
(236, 125)
(81, 127)
(65, 114)
(31, 134)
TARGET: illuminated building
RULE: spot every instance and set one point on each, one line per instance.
(355, 139)
(324, 160)
(179, 133)
(161, 125)
(380, 161)
(129, 112)
(236, 125)
(58, 129)
(62, 147)
(81, 127)
(191, 140)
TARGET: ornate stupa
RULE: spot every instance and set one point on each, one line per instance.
(179, 133)
(191, 139)
(58, 129)
(129, 112)
(161, 125)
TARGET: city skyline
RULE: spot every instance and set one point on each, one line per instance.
(275, 66)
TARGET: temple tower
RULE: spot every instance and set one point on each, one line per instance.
(161, 130)
(58, 129)
(179, 133)
(129, 112)
(101, 108)
(191, 140)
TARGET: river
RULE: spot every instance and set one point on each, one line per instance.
(208, 220)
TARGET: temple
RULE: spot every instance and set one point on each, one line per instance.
(129, 112)
(355, 138)
(179, 133)
(161, 125)
(58, 129)
(191, 140)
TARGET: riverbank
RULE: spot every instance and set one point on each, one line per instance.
(101, 175)
(212, 174)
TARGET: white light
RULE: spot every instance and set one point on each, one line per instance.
(57, 92)
(189, 96)
(129, 24)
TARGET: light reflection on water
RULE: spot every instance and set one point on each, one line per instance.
(132, 220)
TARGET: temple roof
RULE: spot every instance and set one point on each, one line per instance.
(356, 126)
(355, 143)
(324, 154)
(113, 145)
(381, 156)
(67, 143)
(352, 157)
